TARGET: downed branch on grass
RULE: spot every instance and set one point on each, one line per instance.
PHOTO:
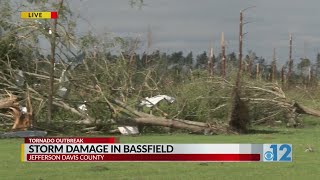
(150, 120)
(198, 127)
(262, 120)
(134, 117)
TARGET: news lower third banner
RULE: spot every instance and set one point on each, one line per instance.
(110, 150)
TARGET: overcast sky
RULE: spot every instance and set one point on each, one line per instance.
(191, 25)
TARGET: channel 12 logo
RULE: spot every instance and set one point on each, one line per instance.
(277, 152)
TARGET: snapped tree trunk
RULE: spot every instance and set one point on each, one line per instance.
(305, 110)
(8, 102)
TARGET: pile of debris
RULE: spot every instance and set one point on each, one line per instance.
(21, 115)
(128, 119)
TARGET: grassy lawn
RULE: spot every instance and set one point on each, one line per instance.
(305, 165)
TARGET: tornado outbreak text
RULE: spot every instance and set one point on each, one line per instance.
(108, 148)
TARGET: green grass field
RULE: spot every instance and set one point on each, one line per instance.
(305, 165)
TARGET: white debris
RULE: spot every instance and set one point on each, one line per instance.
(150, 102)
(20, 79)
(20, 73)
(36, 85)
(38, 22)
(63, 77)
(63, 91)
(23, 109)
(82, 108)
(128, 130)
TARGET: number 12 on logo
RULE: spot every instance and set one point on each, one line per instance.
(277, 153)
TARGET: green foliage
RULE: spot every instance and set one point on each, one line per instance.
(5, 16)
(304, 63)
(202, 60)
(199, 100)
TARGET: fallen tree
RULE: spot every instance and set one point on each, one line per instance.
(126, 115)
(150, 120)
(122, 113)
(251, 95)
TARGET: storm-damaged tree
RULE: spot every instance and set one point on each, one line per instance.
(239, 114)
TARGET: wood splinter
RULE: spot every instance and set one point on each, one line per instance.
(22, 121)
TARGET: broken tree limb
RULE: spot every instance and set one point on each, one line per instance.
(220, 106)
(8, 102)
(70, 109)
(40, 76)
(180, 124)
(195, 123)
(168, 123)
(6, 124)
(6, 115)
(305, 110)
(262, 120)
(275, 91)
(279, 103)
(193, 126)
(147, 119)
(131, 110)
(300, 108)
(73, 110)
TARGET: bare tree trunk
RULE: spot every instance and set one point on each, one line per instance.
(211, 62)
(149, 39)
(53, 47)
(310, 75)
(52, 62)
(250, 66)
(240, 50)
(239, 114)
(159, 121)
(258, 71)
(274, 65)
(290, 59)
(223, 62)
(282, 75)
